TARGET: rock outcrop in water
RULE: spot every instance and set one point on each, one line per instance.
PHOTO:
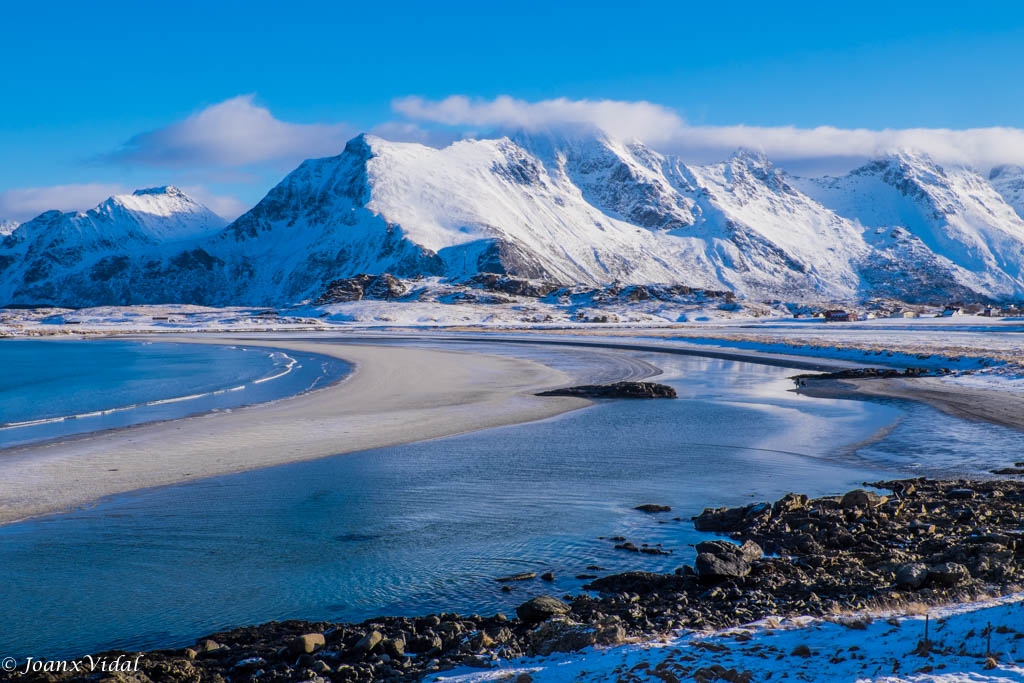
(616, 390)
(926, 542)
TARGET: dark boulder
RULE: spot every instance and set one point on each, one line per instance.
(721, 560)
(912, 575)
(541, 608)
(948, 574)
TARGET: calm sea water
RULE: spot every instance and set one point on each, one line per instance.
(427, 527)
(57, 388)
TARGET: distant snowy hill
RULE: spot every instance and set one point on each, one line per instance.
(110, 254)
(583, 209)
(7, 226)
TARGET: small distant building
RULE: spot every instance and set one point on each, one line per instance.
(838, 316)
(903, 313)
(951, 311)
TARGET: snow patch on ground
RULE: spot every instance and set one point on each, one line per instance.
(980, 643)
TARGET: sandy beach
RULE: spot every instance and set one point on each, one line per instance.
(395, 395)
(986, 405)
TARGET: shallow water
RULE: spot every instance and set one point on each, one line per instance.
(427, 527)
(57, 388)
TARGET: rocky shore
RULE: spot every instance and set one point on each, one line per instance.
(919, 542)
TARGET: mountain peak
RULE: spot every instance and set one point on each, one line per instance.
(169, 190)
(164, 213)
(751, 157)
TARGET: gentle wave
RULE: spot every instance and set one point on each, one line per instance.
(290, 365)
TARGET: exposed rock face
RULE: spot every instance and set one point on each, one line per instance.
(616, 390)
(515, 286)
(385, 287)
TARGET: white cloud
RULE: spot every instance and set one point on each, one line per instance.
(643, 120)
(28, 202)
(823, 148)
(234, 133)
(982, 148)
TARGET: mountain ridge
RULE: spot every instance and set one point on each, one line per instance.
(583, 209)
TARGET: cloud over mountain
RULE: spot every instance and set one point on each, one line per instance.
(667, 131)
(233, 133)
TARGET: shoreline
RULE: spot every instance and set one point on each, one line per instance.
(782, 574)
(183, 400)
(394, 395)
(968, 403)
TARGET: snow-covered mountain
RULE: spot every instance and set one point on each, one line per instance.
(7, 226)
(945, 231)
(110, 254)
(568, 209)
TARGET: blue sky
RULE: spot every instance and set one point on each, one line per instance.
(224, 98)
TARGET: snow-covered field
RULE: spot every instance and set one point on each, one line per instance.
(981, 643)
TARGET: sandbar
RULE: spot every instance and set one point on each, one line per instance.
(395, 395)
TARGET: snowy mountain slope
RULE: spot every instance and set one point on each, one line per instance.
(624, 181)
(1008, 181)
(769, 230)
(112, 253)
(947, 224)
(581, 209)
(7, 226)
(569, 210)
(475, 206)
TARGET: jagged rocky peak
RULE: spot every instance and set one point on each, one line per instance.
(624, 179)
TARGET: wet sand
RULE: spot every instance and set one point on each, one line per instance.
(987, 405)
(395, 395)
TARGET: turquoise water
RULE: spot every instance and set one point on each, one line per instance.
(427, 527)
(59, 388)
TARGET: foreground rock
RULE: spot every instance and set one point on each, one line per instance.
(616, 390)
(541, 609)
(924, 542)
